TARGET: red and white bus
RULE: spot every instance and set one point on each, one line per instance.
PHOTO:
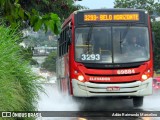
(106, 52)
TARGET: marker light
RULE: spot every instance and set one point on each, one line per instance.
(75, 71)
(144, 77)
(80, 78)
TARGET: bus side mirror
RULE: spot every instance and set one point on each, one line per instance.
(69, 32)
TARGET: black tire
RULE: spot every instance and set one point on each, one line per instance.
(137, 101)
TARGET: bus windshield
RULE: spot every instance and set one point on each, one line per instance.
(118, 44)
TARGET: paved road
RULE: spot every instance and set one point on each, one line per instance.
(54, 101)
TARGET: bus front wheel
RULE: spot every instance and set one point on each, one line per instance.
(137, 101)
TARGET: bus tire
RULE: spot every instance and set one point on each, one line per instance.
(137, 101)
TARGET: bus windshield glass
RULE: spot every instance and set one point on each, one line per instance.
(118, 44)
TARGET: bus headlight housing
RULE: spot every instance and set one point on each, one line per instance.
(146, 75)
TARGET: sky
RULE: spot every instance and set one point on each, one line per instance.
(96, 4)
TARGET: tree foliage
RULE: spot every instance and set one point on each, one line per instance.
(13, 12)
(150, 5)
(156, 30)
(63, 8)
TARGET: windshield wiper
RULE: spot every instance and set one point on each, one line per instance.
(89, 36)
(124, 36)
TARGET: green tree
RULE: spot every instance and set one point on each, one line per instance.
(156, 30)
(63, 8)
(150, 5)
(50, 62)
(12, 12)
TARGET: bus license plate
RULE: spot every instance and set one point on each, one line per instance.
(114, 88)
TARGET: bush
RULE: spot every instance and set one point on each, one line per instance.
(18, 87)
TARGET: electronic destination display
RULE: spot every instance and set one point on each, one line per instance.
(88, 17)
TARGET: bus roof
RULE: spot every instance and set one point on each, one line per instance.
(112, 9)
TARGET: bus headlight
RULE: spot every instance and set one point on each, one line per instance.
(144, 77)
(80, 78)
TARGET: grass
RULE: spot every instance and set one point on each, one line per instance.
(18, 87)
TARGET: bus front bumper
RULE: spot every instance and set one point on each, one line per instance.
(88, 89)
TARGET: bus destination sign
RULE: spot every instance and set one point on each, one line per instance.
(91, 17)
